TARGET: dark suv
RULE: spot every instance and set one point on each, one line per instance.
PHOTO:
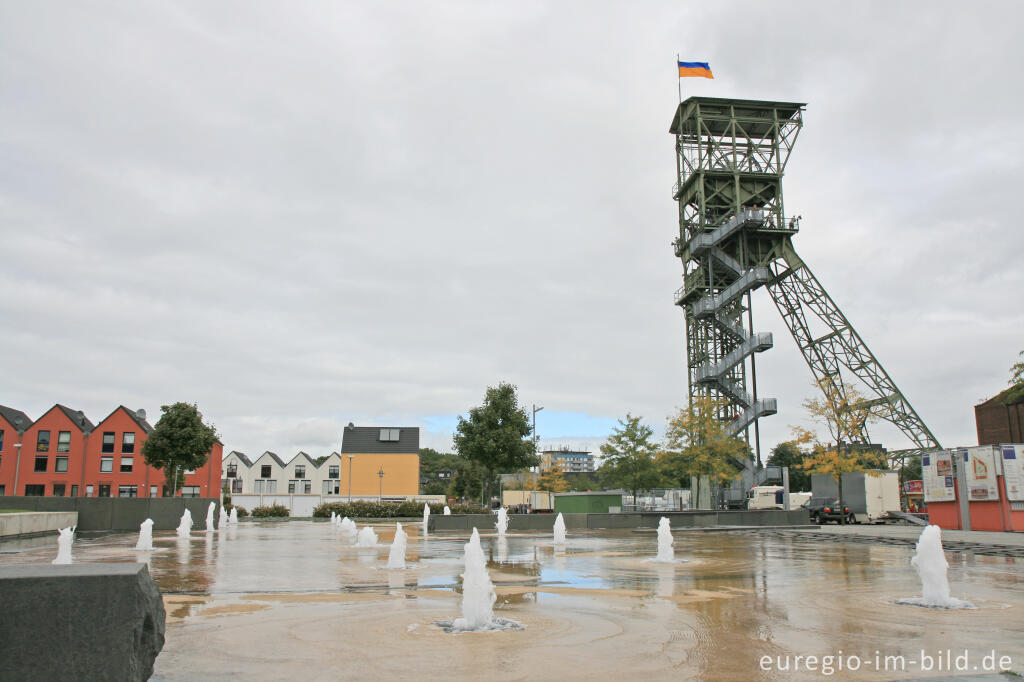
(824, 509)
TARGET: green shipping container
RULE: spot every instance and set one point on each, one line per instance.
(587, 503)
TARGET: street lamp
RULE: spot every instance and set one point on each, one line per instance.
(380, 490)
(537, 473)
(350, 458)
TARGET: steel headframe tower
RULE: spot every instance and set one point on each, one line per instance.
(733, 238)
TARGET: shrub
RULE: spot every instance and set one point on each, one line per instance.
(274, 510)
(389, 510)
(242, 511)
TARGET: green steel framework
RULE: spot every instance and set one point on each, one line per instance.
(734, 237)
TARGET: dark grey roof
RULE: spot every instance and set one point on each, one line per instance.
(273, 456)
(240, 455)
(366, 440)
(77, 418)
(300, 455)
(141, 421)
(18, 419)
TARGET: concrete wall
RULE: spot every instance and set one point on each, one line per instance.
(684, 519)
(28, 524)
(79, 622)
(120, 513)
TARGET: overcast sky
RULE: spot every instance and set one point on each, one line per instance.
(301, 214)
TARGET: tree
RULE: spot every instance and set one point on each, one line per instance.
(697, 444)
(496, 436)
(180, 441)
(629, 456)
(789, 454)
(1017, 380)
(553, 480)
(844, 411)
(838, 460)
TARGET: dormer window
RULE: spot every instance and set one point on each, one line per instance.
(390, 435)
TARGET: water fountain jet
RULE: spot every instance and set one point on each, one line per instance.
(64, 540)
(930, 562)
(478, 595)
(396, 557)
(185, 527)
(366, 538)
(209, 517)
(666, 555)
(447, 511)
(502, 524)
(559, 530)
(145, 535)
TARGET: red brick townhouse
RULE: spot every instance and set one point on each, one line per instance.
(64, 454)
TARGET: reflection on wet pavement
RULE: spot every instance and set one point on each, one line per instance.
(297, 593)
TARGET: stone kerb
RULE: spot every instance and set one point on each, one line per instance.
(79, 622)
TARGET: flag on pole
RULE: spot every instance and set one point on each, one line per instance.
(694, 70)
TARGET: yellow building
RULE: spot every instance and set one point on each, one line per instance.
(380, 461)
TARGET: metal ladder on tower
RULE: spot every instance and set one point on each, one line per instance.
(748, 343)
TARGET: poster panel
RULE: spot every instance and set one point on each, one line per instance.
(937, 476)
(1013, 471)
(981, 473)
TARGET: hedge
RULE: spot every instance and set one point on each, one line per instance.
(389, 510)
(273, 510)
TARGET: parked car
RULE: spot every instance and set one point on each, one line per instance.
(825, 509)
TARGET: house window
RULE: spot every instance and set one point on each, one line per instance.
(307, 487)
(265, 471)
(154, 491)
(63, 441)
(269, 486)
(126, 465)
(331, 487)
(41, 463)
(291, 487)
(232, 470)
(106, 465)
(389, 434)
(190, 491)
(332, 471)
(35, 490)
(128, 442)
(61, 465)
(236, 485)
(43, 441)
(58, 490)
(1, 440)
(74, 490)
(108, 442)
(104, 491)
(88, 491)
(3, 489)
(300, 471)
(128, 491)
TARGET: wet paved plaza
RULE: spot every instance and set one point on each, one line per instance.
(279, 600)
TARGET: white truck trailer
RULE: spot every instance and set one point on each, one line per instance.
(869, 497)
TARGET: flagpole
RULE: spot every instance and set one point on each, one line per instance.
(679, 81)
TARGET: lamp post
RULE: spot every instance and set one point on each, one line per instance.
(350, 458)
(537, 473)
(380, 490)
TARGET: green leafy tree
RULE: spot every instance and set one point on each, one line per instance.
(697, 444)
(496, 436)
(1016, 380)
(629, 456)
(431, 463)
(180, 441)
(789, 454)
